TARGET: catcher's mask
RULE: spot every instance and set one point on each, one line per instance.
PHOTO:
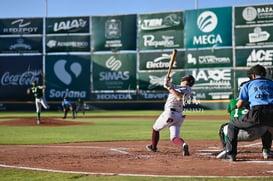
(190, 80)
(256, 70)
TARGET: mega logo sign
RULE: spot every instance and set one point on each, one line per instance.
(208, 27)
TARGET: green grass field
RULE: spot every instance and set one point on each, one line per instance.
(119, 129)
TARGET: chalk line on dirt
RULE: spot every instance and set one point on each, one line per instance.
(118, 174)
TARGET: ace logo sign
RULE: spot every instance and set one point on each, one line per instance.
(67, 76)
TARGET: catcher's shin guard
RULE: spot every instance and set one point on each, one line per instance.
(222, 135)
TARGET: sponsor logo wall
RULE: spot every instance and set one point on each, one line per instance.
(125, 57)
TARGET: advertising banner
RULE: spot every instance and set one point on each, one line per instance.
(160, 60)
(67, 76)
(254, 14)
(112, 33)
(160, 31)
(254, 36)
(252, 56)
(208, 27)
(67, 25)
(209, 58)
(15, 80)
(68, 43)
(21, 26)
(151, 86)
(114, 71)
(21, 45)
(114, 96)
(213, 83)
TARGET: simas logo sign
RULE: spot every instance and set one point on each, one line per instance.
(113, 64)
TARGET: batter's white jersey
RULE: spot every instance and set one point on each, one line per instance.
(172, 115)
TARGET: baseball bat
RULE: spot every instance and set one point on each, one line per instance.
(172, 59)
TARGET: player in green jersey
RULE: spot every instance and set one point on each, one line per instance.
(38, 92)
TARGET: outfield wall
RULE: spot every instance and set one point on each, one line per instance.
(120, 61)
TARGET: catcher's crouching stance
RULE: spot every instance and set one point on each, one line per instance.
(172, 116)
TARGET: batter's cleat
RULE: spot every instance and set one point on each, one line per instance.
(149, 148)
(185, 150)
(38, 121)
(267, 154)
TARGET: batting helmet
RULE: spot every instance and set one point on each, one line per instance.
(190, 80)
(257, 70)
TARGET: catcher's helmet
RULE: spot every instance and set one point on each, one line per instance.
(190, 80)
(257, 70)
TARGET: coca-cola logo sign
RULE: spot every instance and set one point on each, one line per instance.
(25, 78)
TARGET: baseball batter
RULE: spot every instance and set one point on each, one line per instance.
(38, 92)
(172, 117)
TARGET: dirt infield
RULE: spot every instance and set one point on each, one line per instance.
(131, 157)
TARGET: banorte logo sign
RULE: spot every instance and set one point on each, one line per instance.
(63, 75)
(207, 21)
